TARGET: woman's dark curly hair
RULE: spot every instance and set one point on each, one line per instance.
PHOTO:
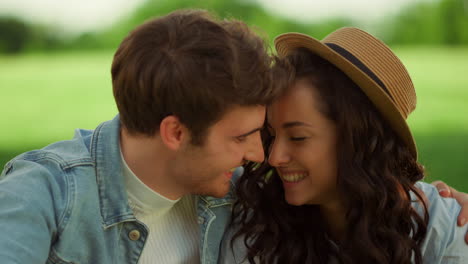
(376, 174)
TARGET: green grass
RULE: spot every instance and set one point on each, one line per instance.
(440, 121)
(44, 97)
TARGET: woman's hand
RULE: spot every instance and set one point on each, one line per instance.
(462, 199)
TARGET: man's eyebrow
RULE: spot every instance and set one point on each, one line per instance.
(250, 132)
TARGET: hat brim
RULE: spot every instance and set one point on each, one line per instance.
(288, 42)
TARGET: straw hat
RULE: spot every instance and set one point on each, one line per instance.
(371, 65)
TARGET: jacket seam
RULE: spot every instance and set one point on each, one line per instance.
(65, 216)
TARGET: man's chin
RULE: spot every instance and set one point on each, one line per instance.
(217, 193)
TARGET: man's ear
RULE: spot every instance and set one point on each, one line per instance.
(172, 132)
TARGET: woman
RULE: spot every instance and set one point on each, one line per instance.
(344, 185)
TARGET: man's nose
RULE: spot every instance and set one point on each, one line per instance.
(255, 150)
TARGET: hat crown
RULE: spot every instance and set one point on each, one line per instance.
(381, 61)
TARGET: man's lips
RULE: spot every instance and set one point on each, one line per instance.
(230, 172)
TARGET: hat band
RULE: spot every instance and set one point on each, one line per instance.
(356, 62)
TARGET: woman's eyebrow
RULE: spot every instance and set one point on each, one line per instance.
(290, 124)
(294, 124)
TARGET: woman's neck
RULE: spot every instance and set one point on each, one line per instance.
(334, 215)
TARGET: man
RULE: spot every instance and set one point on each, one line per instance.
(152, 185)
(191, 93)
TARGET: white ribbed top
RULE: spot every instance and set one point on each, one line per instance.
(173, 228)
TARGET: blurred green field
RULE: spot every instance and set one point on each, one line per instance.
(44, 97)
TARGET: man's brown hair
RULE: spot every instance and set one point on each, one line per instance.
(190, 65)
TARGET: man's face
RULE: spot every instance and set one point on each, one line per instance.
(207, 169)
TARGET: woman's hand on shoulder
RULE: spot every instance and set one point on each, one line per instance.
(461, 197)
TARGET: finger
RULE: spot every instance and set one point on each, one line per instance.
(463, 216)
(442, 188)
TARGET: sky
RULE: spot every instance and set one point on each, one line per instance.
(88, 15)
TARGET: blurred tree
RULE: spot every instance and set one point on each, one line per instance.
(454, 20)
(14, 35)
(442, 22)
(18, 36)
(267, 24)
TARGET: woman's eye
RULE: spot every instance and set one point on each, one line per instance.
(241, 139)
(297, 138)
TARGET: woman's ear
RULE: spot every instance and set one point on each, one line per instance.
(172, 132)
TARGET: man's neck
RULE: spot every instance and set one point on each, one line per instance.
(150, 162)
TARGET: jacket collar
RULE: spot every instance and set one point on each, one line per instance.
(105, 150)
(228, 199)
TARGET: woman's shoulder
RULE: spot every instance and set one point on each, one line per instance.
(444, 242)
(439, 208)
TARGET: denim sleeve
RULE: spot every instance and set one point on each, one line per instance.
(27, 214)
(444, 242)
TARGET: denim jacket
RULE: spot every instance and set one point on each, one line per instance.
(67, 203)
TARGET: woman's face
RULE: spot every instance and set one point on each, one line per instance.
(304, 147)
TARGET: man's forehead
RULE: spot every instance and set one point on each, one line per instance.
(242, 118)
(242, 112)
